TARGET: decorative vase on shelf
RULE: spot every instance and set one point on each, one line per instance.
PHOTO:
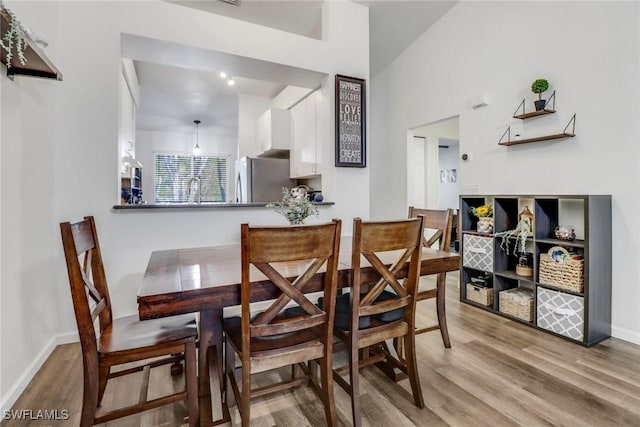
(485, 225)
(565, 232)
(527, 216)
(525, 264)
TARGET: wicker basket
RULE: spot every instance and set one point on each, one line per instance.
(568, 274)
(479, 294)
(517, 302)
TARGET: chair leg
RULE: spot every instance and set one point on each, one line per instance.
(191, 379)
(412, 368)
(354, 377)
(326, 374)
(245, 397)
(440, 308)
(399, 348)
(296, 371)
(89, 394)
(230, 386)
(103, 376)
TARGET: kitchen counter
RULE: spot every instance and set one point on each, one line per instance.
(207, 205)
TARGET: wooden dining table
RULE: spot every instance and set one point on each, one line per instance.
(207, 280)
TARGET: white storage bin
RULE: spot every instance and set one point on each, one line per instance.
(561, 313)
(477, 252)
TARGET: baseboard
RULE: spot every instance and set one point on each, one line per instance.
(626, 335)
(7, 401)
(67, 338)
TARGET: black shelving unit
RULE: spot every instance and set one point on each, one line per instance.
(593, 216)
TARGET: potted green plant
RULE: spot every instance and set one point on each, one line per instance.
(13, 39)
(539, 86)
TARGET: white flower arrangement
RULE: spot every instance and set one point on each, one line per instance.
(14, 37)
(520, 233)
(295, 208)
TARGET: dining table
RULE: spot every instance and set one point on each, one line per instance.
(207, 280)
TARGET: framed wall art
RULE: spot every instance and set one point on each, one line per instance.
(350, 122)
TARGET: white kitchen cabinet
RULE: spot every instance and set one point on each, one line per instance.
(273, 132)
(304, 146)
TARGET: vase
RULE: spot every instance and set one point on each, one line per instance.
(525, 264)
(485, 225)
(527, 216)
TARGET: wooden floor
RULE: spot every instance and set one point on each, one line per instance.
(497, 373)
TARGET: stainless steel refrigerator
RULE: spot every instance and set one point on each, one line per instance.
(261, 180)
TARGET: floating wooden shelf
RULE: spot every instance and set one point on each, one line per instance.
(564, 134)
(536, 139)
(534, 114)
(37, 64)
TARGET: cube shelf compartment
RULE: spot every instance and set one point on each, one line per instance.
(581, 317)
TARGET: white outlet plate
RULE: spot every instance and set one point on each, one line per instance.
(469, 189)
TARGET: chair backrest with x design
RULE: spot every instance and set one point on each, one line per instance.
(264, 246)
(371, 240)
(440, 221)
(88, 282)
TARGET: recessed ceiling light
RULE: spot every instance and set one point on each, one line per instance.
(231, 82)
(223, 75)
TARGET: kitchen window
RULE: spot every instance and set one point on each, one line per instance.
(173, 173)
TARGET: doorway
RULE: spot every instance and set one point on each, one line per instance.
(432, 165)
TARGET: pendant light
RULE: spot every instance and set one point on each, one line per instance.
(196, 149)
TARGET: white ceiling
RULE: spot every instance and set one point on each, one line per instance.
(179, 83)
(172, 97)
(395, 24)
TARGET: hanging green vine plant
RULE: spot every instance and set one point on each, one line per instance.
(13, 38)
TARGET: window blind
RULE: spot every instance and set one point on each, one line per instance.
(173, 172)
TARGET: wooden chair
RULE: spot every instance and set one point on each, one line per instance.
(377, 315)
(275, 337)
(121, 340)
(441, 223)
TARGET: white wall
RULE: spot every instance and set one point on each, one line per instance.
(60, 159)
(30, 249)
(126, 122)
(1, 216)
(589, 51)
(150, 142)
(416, 172)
